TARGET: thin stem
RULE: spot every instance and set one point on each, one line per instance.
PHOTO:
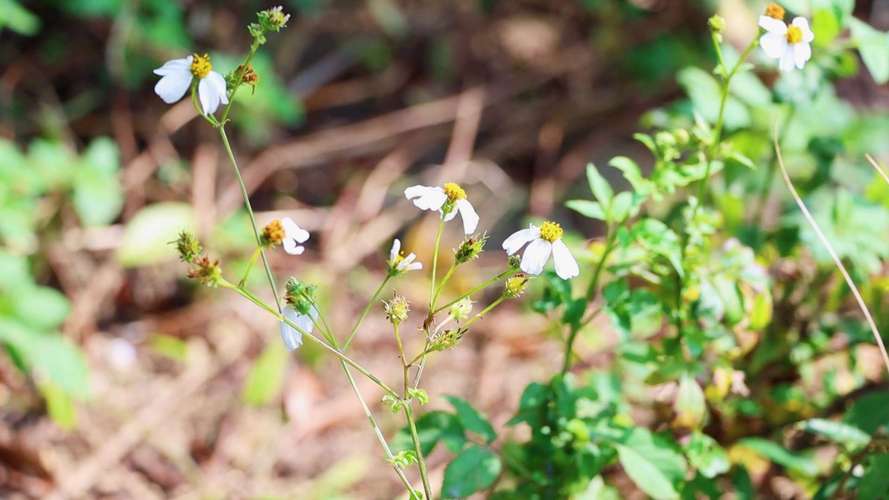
(484, 311)
(435, 247)
(590, 294)
(478, 288)
(252, 298)
(442, 283)
(364, 313)
(833, 255)
(249, 268)
(404, 363)
(246, 195)
(421, 462)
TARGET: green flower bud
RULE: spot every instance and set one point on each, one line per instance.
(717, 23)
(188, 246)
(461, 309)
(396, 309)
(470, 249)
(515, 286)
(300, 295)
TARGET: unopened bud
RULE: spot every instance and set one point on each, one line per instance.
(188, 246)
(300, 295)
(461, 309)
(717, 23)
(470, 249)
(446, 339)
(515, 286)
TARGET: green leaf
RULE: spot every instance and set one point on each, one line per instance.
(97, 197)
(781, 456)
(433, 427)
(690, 406)
(471, 419)
(875, 481)
(869, 412)
(59, 405)
(646, 474)
(591, 209)
(826, 27)
(599, 186)
(474, 469)
(838, 432)
(705, 455)
(632, 172)
(17, 18)
(39, 307)
(651, 462)
(704, 92)
(102, 156)
(874, 48)
(147, 237)
(266, 376)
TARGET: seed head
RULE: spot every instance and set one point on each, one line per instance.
(515, 286)
(188, 246)
(207, 272)
(470, 248)
(461, 309)
(397, 309)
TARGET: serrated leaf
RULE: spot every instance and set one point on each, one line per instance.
(474, 469)
(472, 419)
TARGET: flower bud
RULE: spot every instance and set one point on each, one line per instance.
(461, 309)
(470, 248)
(299, 295)
(188, 246)
(207, 272)
(717, 23)
(514, 262)
(445, 340)
(273, 19)
(396, 309)
(515, 286)
(775, 11)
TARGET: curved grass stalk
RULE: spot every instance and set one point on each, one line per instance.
(833, 254)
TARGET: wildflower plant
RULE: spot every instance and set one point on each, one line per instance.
(690, 306)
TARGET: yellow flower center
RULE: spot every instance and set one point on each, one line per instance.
(454, 192)
(794, 35)
(273, 233)
(550, 231)
(200, 65)
(775, 11)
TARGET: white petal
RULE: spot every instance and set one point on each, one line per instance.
(773, 45)
(566, 266)
(450, 215)
(218, 82)
(803, 24)
(426, 197)
(772, 25)
(470, 218)
(406, 262)
(786, 63)
(209, 95)
(292, 338)
(801, 53)
(173, 86)
(293, 231)
(393, 252)
(416, 266)
(518, 239)
(535, 256)
(175, 65)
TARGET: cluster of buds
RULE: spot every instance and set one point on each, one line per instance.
(396, 309)
(243, 74)
(470, 248)
(204, 270)
(446, 339)
(717, 26)
(268, 21)
(300, 296)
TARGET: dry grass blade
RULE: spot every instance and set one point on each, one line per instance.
(877, 167)
(832, 252)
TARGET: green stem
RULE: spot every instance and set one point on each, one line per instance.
(252, 298)
(421, 462)
(478, 288)
(404, 363)
(246, 195)
(249, 268)
(364, 313)
(590, 294)
(437, 244)
(442, 283)
(484, 311)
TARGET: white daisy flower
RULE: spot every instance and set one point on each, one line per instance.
(292, 337)
(790, 45)
(399, 263)
(176, 78)
(448, 199)
(294, 236)
(542, 241)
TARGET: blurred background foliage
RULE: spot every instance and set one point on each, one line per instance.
(97, 176)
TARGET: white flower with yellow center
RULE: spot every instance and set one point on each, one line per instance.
(292, 337)
(542, 241)
(448, 199)
(790, 45)
(294, 237)
(399, 263)
(177, 75)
